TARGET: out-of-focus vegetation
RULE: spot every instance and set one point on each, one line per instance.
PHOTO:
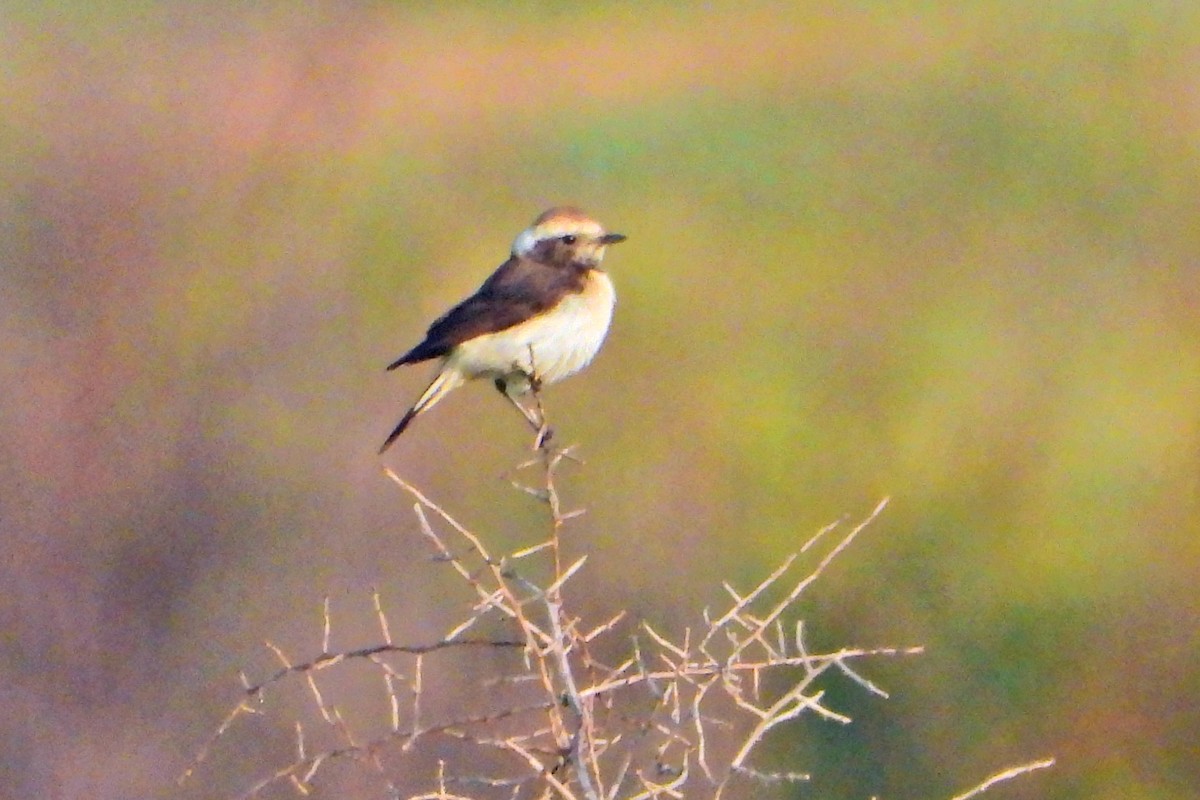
(942, 252)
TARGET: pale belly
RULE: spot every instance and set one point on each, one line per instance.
(551, 346)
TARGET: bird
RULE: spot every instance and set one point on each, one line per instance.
(540, 317)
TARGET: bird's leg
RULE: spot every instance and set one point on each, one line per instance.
(532, 418)
(544, 431)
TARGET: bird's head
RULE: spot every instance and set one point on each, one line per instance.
(565, 236)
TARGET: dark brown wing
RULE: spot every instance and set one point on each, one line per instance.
(518, 290)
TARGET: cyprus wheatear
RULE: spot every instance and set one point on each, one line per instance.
(541, 316)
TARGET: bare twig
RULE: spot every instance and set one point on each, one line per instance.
(1005, 775)
(565, 724)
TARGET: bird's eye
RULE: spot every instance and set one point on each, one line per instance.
(569, 239)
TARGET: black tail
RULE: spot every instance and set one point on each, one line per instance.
(395, 434)
(443, 383)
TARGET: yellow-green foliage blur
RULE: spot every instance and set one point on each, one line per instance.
(943, 252)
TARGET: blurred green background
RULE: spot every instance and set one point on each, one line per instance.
(946, 252)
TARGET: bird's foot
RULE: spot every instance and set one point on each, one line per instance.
(544, 434)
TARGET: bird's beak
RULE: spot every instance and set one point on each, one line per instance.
(612, 238)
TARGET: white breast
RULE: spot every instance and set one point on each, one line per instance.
(562, 341)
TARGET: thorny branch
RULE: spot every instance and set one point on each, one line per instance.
(566, 723)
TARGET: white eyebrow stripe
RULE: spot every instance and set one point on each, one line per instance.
(525, 242)
(528, 238)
